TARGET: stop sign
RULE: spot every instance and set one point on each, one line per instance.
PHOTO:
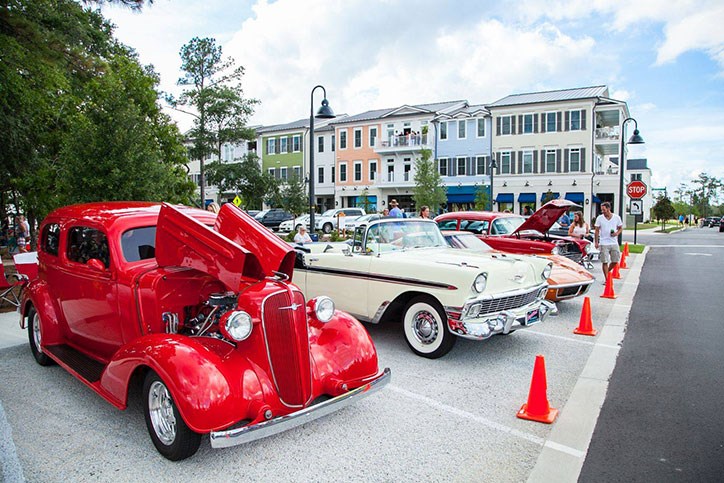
(636, 190)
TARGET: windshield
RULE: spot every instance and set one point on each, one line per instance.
(506, 225)
(467, 242)
(401, 235)
(261, 214)
(329, 213)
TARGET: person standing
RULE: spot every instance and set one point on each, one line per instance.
(608, 227)
(425, 212)
(564, 221)
(22, 233)
(395, 212)
(579, 228)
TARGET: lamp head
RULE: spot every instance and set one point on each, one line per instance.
(325, 112)
(636, 138)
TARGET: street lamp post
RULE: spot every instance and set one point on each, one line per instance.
(635, 139)
(324, 112)
(493, 166)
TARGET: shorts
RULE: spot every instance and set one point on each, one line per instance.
(610, 254)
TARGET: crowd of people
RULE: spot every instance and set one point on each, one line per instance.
(16, 237)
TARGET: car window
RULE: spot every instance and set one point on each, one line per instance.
(50, 239)
(475, 226)
(329, 212)
(504, 226)
(139, 243)
(448, 224)
(85, 243)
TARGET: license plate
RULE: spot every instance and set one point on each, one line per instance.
(532, 317)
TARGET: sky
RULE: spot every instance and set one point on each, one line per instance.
(665, 59)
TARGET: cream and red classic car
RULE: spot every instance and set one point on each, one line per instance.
(403, 270)
(198, 311)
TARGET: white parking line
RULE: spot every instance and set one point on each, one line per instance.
(565, 449)
(571, 339)
(10, 468)
(686, 246)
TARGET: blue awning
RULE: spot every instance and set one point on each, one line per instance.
(461, 198)
(555, 196)
(504, 198)
(596, 199)
(575, 197)
(526, 198)
(462, 190)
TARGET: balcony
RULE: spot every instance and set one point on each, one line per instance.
(399, 144)
(608, 133)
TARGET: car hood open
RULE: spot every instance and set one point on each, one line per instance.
(238, 247)
(543, 219)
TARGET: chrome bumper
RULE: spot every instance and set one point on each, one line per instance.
(559, 289)
(246, 434)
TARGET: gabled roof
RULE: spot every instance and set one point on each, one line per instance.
(552, 96)
(378, 114)
(300, 125)
(465, 111)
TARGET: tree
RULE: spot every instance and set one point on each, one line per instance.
(213, 97)
(547, 196)
(706, 192)
(428, 189)
(293, 196)
(482, 200)
(663, 210)
(364, 201)
(246, 180)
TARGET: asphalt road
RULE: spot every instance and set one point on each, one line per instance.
(662, 419)
(452, 419)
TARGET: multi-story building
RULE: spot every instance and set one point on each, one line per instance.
(324, 164)
(562, 143)
(282, 149)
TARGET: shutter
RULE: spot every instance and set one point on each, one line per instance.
(520, 162)
(277, 145)
(558, 160)
(520, 124)
(512, 124)
(469, 166)
(568, 121)
(566, 161)
(542, 160)
(583, 160)
(535, 161)
(543, 122)
(450, 166)
(535, 123)
(497, 163)
(583, 119)
(497, 122)
(559, 124)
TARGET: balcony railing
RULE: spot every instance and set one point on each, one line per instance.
(608, 133)
(403, 141)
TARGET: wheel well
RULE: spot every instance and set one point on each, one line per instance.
(135, 385)
(394, 311)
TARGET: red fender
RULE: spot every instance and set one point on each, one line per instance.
(36, 294)
(212, 385)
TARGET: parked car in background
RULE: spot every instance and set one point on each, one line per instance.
(403, 270)
(512, 233)
(330, 219)
(196, 310)
(566, 281)
(361, 221)
(711, 221)
(293, 225)
(253, 213)
(273, 218)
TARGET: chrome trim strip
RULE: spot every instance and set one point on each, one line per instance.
(569, 285)
(233, 437)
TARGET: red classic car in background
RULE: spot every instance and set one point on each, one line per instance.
(198, 310)
(512, 233)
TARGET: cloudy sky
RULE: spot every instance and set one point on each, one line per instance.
(665, 59)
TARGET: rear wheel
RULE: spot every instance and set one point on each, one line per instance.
(426, 331)
(169, 433)
(35, 338)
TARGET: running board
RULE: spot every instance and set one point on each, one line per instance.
(86, 368)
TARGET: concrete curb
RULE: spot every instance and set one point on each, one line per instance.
(577, 419)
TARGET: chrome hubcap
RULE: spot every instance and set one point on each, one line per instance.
(160, 407)
(36, 331)
(425, 327)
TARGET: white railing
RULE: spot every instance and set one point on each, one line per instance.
(403, 141)
(608, 133)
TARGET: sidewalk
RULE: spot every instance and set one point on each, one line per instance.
(10, 332)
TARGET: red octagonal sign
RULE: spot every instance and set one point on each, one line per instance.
(636, 190)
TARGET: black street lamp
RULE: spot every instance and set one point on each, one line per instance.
(493, 166)
(635, 139)
(324, 112)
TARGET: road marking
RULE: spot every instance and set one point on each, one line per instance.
(687, 246)
(572, 339)
(698, 254)
(10, 467)
(565, 449)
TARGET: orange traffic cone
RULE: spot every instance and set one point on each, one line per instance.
(625, 249)
(537, 407)
(608, 290)
(585, 325)
(622, 263)
(615, 273)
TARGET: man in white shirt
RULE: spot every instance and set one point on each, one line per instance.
(302, 236)
(608, 227)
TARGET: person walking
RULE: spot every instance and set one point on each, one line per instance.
(395, 212)
(608, 227)
(579, 228)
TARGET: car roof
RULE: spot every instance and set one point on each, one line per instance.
(475, 215)
(108, 212)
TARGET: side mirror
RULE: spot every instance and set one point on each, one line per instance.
(96, 265)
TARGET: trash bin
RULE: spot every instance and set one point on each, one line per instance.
(314, 237)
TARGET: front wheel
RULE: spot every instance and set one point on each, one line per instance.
(426, 329)
(35, 338)
(327, 228)
(169, 433)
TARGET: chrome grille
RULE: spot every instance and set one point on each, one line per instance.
(508, 303)
(571, 251)
(287, 340)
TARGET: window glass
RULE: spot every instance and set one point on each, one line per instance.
(443, 130)
(505, 125)
(358, 171)
(448, 224)
(51, 238)
(442, 166)
(320, 144)
(504, 226)
(480, 165)
(296, 144)
(551, 122)
(85, 243)
(320, 177)
(343, 140)
(461, 129)
(357, 138)
(373, 136)
(575, 120)
(271, 146)
(527, 161)
(139, 244)
(574, 160)
(551, 161)
(527, 123)
(283, 145)
(505, 162)
(474, 226)
(481, 128)
(461, 167)
(343, 172)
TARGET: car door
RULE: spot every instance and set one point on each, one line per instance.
(87, 292)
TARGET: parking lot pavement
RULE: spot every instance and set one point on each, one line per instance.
(451, 419)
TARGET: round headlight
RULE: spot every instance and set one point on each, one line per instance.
(238, 325)
(547, 271)
(480, 282)
(555, 251)
(324, 309)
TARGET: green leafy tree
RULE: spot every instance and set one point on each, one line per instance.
(547, 196)
(293, 196)
(482, 200)
(227, 115)
(705, 192)
(663, 210)
(245, 179)
(364, 201)
(428, 189)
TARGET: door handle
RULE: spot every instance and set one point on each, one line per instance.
(314, 259)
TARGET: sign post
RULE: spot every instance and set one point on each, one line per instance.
(636, 190)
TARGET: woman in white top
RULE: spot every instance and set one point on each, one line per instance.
(579, 228)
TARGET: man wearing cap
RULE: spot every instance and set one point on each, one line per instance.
(395, 212)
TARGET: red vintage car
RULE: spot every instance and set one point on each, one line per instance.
(199, 311)
(512, 233)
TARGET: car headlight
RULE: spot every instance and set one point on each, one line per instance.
(480, 282)
(547, 271)
(324, 309)
(238, 325)
(555, 251)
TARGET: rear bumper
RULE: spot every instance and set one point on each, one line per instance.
(556, 293)
(246, 434)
